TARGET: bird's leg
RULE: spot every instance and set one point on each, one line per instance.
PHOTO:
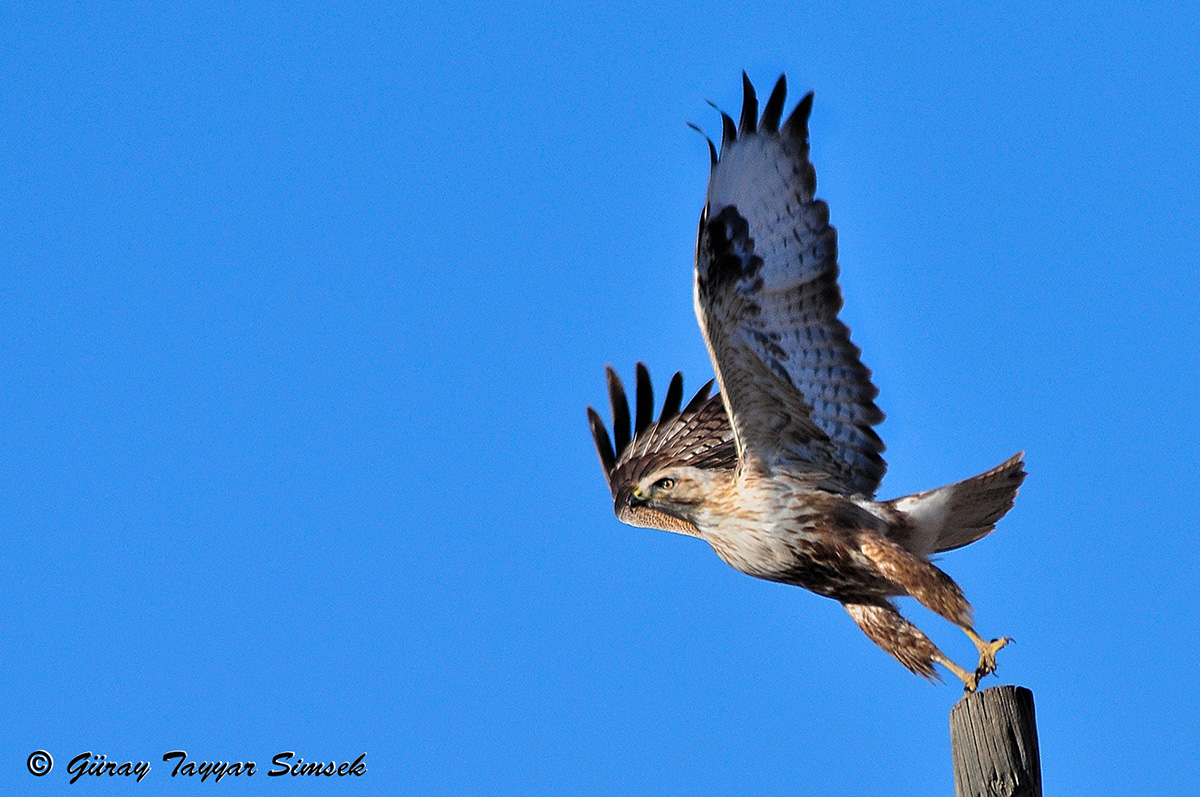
(970, 679)
(919, 577)
(987, 651)
(880, 621)
(936, 591)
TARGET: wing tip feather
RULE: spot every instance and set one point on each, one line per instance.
(796, 125)
(774, 108)
(644, 396)
(728, 131)
(671, 403)
(604, 447)
(749, 119)
(712, 148)
(620, 410)
(700, 397)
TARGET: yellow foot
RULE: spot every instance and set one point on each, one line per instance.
(987, 656)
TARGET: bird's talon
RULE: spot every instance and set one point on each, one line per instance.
(987, 657)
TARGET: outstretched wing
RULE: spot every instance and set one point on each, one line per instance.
(767, 299)
(697, 435)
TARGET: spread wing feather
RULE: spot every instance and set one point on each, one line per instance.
(697, 435)
(767, 299)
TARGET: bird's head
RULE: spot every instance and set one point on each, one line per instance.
(675, 491)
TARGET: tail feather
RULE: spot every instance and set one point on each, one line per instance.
(959, 514)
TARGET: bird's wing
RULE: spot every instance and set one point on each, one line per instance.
(767, 299)
(697, 435)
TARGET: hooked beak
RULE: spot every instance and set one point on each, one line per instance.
(637, 498)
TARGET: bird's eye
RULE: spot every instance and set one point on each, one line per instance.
(664, 484)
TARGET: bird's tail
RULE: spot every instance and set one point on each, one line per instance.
(958, 514)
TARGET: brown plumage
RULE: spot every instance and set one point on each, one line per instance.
(777, 472)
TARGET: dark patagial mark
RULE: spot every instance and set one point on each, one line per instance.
(731, 250)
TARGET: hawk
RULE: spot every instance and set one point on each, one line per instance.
(778, 470)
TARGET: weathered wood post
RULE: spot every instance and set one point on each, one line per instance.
(993, 740)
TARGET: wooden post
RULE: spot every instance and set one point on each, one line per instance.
(993, 740)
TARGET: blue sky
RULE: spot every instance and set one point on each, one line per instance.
(302, 306)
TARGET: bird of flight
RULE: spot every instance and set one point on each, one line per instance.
(778, 471)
